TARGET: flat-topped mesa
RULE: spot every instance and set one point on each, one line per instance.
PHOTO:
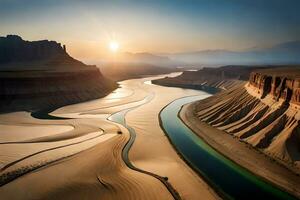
(223, 77)
(281, 84)
(41, 74)
(15, 49)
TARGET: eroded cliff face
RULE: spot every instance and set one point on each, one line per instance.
(15, 49)
(42, 75)
(32, 90)
(263, 112)
(223, 77)
(278, 86)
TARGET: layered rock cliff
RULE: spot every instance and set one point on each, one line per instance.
(279, 83)
(41, 75)
(15, 49)
(264, 112)
(223, 77)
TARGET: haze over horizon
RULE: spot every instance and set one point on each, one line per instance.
(156, 27)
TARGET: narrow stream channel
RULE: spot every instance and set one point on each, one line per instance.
(228, 178)
(119, 117)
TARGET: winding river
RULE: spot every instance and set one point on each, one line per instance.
(119, 117)
(229, 179)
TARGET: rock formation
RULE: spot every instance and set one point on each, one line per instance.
(15, 49)
(277, 83)
(41, 74)
(258, 105)
(264, 112)
(223, 77)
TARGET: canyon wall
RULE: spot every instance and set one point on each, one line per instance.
(258, 105)
(222, 78)
(41, 90)
(279, 85)
(42, 75)
(263, 112)
(15, 49)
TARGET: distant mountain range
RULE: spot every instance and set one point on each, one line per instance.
(14, 50)
(284, 53)
(146, 58)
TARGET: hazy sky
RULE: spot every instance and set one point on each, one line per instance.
(86, 27)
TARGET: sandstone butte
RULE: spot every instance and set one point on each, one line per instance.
(38, 75)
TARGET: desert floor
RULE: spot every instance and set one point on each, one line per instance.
(80, 155)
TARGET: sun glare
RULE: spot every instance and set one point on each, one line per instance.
(114, 46)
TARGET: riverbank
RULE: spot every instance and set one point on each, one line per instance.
(78, 153)
(152, 150)
(241, 153)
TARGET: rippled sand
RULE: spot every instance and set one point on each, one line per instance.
(80, 157)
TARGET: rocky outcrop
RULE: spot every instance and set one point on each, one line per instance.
(223, 77)
(14, 49)
(31, 90)
(42, 75)
(278, 85)
(263, 112)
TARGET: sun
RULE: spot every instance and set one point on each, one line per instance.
(114, 46)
